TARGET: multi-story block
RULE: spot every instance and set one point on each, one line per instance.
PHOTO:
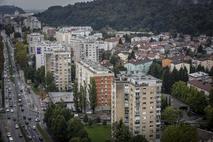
(85, 70)
(32, 22)
(42, 48)
(136, 100)
(32, 40)
(58, 63)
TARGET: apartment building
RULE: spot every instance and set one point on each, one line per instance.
(58, 62)
(32, 22)
(85, 70)
(136, 100)
(32, 40)
(42, 48)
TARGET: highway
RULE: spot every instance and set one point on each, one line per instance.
(22, 107)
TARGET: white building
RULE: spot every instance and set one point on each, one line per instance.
(136, 100)
(41, 48)
(33, 39)
(32, 22)
(58, 62)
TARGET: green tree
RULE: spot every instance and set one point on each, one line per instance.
(92, 94)
(76, 96)
(155, 70)
(179, 133)
(171, 115)
(120, 133)
(50, 83)
(138, 138)
(211, 98)
(73, 72)
(83, 98)
(21, 54)
(209, 116)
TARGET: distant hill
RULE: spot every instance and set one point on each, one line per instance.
(5, 9)
(185, 16)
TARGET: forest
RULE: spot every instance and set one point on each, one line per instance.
(188, 17)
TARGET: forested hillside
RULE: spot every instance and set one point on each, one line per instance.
(186, 16)
(10, 9)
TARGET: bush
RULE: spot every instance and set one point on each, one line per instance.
(85, 119)
(104, 122)
(90, 122)
(98, 119)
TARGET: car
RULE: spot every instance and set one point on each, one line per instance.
(7, 110)
(29, 118)
(20, 135)
(8, 117)
(16, 126)
(34, 127)
(40, 139)
(8, 134)
(30, 137)
(37, 120)
(11, 110)
(10, 139)
(14, 119)
(24, 117)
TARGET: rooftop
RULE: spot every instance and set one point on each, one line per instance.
(94, 66)
(139, 79)
(56, 97)
(202, 84)
(198, 74)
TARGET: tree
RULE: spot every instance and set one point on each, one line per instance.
(168, 81)
(138, 138)
(195, 99)
(209, 116)
(211, 98)
(179, 133)
(131, 55)
(73, 72)
(50, 83)
(21, 54)
(155, 70)
(76, 96)
(120, 133)
(83, 98)
(171, 115)
(92, 94)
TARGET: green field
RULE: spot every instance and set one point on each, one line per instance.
(99, 133)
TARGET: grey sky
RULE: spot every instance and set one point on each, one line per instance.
(38, 4)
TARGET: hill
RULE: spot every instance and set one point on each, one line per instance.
(185, 16)
(5, 9)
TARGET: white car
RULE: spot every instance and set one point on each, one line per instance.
(34, 127)
(11, 110)
(16, 126)
(8, 134)
(7, 110)
(10, 139)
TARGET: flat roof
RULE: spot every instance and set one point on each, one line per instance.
(94, 66)
(56, 97)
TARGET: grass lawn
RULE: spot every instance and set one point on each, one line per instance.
(98, 133)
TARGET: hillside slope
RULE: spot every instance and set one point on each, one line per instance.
(186, 16)
(10, 9)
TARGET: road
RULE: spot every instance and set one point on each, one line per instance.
(22, 107)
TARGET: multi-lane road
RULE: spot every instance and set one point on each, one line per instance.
(22, 107)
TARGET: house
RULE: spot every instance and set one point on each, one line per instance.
(65, 97)
(138, 66)
(201, 85)
(179, 65)
(198, 75)
(166, 62)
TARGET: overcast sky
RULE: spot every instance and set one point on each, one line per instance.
(38, 4)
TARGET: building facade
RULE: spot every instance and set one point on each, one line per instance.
(85, 71)
(136, 100)
(59, 64)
